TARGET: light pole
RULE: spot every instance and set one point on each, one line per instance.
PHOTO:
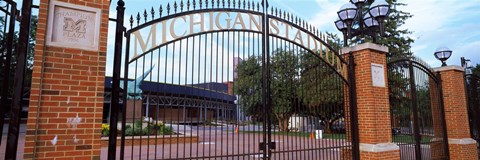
(466, 63)
(352, 21)
(443, 54)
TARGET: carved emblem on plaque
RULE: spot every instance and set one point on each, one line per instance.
(73, 26)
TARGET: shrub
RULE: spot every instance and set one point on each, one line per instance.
(150, 129)
(105, 130)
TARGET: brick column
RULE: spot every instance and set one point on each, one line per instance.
(460, 143)
(66, 101)
(437, 144)
(373, 107)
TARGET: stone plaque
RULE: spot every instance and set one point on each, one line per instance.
(73, 26)
(378, 75)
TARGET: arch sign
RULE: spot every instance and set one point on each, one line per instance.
(162, 31)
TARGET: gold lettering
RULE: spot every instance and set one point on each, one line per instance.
(310, 38)
(193, 23)
(211, 20)
(143, 44)
(228, 20)
(164, 32)
(298, 37)
(239, 20)
(287, 27)
(253, 21)
(274, 27)
(172, 28)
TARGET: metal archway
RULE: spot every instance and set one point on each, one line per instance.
(229, 79)
(416, 106)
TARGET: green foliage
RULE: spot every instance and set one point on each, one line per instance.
(30, 50)
(397, 40)
(248, 86)
(476, 70)
(300, 83)
(322, 91)
(105, 130)
(284, 81)
(137, 130)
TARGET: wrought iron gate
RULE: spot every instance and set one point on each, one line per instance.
(473, 90)
(418, 123)
(14, 49)
(229, 80)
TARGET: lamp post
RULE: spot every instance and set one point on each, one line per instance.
(466, 63)
(442, 54)
(352, 21)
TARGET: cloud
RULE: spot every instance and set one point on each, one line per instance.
(444, 23)
(326, 14)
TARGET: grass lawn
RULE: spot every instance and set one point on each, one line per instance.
(409, 139)
(302, 134)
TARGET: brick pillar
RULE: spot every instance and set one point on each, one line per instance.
(373, 107)
(437, 144)
(66, 101)
(455, 105)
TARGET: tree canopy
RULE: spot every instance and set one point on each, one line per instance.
(301, 84)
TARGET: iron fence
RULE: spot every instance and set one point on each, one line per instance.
(418, 123)
(228, 84)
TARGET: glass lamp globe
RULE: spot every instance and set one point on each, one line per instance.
(442, 54)
(370, 22)
(379, 9)
(347, 12)
(340, 25)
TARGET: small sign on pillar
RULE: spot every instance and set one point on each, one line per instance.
(73, 26)
(378, 75)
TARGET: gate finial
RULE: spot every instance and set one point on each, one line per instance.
(168, 8)
(181, 6)
(138, 18)
(175, 6)
(160, 10)
(153, 13)
(145, 15)
(131, 21)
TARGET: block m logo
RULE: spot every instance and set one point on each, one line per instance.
(74, 26)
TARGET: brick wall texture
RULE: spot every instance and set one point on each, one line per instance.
(455, 103)
(456, 117)
(372, 102)
(67, 85)
(390, 155)
(372, 106)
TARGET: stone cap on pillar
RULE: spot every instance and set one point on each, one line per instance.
(363, 46)
(449, 68)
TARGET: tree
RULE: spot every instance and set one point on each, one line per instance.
(248, 86)
(30, 51)
(323, 91)
(476, 70)
(397, 40)
(284, 80)
(284, 83)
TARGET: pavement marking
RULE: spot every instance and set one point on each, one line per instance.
(207, 143)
